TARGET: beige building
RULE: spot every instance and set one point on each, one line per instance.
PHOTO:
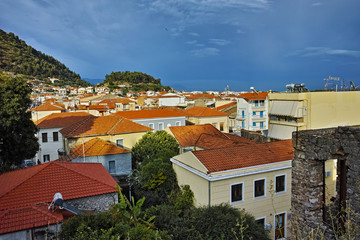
(289, 112)
(204, 115)
(118, 130)
(256, 177)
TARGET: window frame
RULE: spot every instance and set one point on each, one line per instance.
(44, 139)
(161, 126)
(254, 188)
(152, 125)
(47, 156)
(114, 169)
(260, 219)
(178, 123)
(285, 180)
(55, 139)
(122, 145)
(242, 193)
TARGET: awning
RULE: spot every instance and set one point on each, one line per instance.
(286, 108)
(281, 132)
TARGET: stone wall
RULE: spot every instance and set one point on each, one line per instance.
(312, 149)
(97, 203)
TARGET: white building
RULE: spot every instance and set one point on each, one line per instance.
(171, 100)
(252, 112)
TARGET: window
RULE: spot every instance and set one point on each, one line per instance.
(151, 125)
(242, 124)
(280, 226)
(46, 158)
(111, 166)
(261, 125)
(178, 123)
(280, 184)
(161, 126)
(237, 192)
(44, 137)
(120, 142)
(256, 103)
(259, 188)
(254, 124)
(55, 136)
(261, 221)
(261, 113)
(243, 113)
(262, 103)
(254, 113)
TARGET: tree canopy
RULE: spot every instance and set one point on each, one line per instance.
(17, 131)
(18, 57)
(136, 81)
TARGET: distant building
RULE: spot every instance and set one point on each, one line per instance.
(291, 112)
(252, 112)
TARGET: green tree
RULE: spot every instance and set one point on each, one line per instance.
(17, 131)
(154, 145)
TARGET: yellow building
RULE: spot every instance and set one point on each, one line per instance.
(291, 112)
(204, 115)
(256, 177)
(118, 130)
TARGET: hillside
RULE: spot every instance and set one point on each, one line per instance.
(17, 57)
(136, 81)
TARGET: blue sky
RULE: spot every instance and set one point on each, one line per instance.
(196, 44)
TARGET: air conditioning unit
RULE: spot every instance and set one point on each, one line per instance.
(268, 226)
(328, 174)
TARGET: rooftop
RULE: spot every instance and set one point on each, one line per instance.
(63, 119)
(157, 113)
(112, 124)
(203, 112)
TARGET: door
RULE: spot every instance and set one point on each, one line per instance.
(280, 226)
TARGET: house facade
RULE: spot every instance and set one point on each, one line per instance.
(116, 160)
(252, 112)
(50, 139)
(204, 115)
(157, 119)
(255, 177)
(291, 112)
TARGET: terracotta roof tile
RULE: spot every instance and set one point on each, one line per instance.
(208, 141)
(225, 106)
(97, 147)
(48, 106)
(254, 96)
(63, 119)
(223, 159)
(157, 113)
(36, 215)
(111, 124)
(39, 183)
(188, 135)
(204, 112)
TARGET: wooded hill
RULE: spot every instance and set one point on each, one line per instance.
(19, 58)
(136, 81)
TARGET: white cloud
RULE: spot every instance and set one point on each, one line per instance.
(192, 42)
(316, 4)
(240, 31)
(220, 42)
(205, 52)
(324, 51)
(194, 34)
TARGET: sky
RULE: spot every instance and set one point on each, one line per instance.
(197, 44)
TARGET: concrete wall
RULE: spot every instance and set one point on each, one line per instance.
(166, 122)
(50, 147)
(122, 162)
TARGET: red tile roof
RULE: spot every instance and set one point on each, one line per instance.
(64, 119)
(48, 106)
(223, 159)
(38, 184)
(254, 96)
(157, 113)
(225, 106)
(112, 124)
(208, 141)
(203, 112)
(112, 102)
(189, 135)
(37, 215)
(97, 147)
